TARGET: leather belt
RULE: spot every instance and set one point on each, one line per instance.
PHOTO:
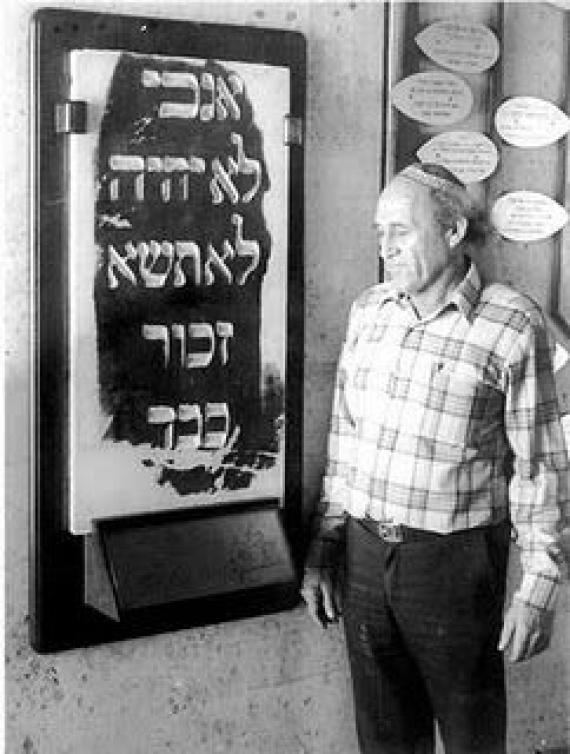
(397, 533)
(400, 533)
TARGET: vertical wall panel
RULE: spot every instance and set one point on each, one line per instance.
(533, 64)
(344, 122)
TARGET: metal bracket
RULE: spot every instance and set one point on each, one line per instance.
(293, 131)
(70, 117)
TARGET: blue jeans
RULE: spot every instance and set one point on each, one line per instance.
(422, 621)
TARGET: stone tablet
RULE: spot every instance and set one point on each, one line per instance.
(177, 284)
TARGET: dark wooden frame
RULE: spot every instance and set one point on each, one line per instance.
(60, 618)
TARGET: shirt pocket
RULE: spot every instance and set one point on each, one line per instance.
(462, 406)
(367, 384)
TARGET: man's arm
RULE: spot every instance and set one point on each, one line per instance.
(538, 490)
(320, 584)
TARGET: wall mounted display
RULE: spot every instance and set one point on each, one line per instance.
(470, 155)
(530, 122)
(462, 47)
(169, 206)
(527, 216)
(437, 98)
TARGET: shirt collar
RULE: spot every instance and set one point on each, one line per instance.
(464, 297)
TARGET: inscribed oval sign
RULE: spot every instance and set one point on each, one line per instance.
(470, 155)
(437, 98)
(527, 216)
(530, 122)
(468, 48)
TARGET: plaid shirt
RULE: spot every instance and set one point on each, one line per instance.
(446, 422)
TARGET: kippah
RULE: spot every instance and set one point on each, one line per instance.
(414, 173)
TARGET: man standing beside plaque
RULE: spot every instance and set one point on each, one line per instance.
(445, 443)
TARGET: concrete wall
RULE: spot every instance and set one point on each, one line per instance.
(276, 683)
(271, 684)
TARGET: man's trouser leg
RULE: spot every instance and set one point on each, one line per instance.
(422, 620)
(392, 710)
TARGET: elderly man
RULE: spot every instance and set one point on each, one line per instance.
(445, 441)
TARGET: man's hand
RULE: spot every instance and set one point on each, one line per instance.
(318, 591)
(526, 631)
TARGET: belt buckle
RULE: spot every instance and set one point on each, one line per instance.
(392, 533)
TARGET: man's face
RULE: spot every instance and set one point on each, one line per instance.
(411, 241)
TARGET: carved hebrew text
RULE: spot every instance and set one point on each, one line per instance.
(193, 345)
(188, 425)
(212, 96)
(175, 171)
(153, 264)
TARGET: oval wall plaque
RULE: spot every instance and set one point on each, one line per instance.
(468, 48)
(527, 216)
(437, 98)
(470, 155)
(530, 122)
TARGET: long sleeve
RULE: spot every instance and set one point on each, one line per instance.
(539, 485)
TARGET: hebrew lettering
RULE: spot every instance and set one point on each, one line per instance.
(190, 251)
(180, 263)
(192, 345)
(226, 105)
(246, 166)
(204, 332)
(163, 417)
(225, 331)
(211, 96)
(207, 108)
(245, 248)
(217, 422)
(190, 425)
(190, 378)
(216, 264)
(158, 333)
(116, 262)
(155, 262)
(221, 184)
(209, 430)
